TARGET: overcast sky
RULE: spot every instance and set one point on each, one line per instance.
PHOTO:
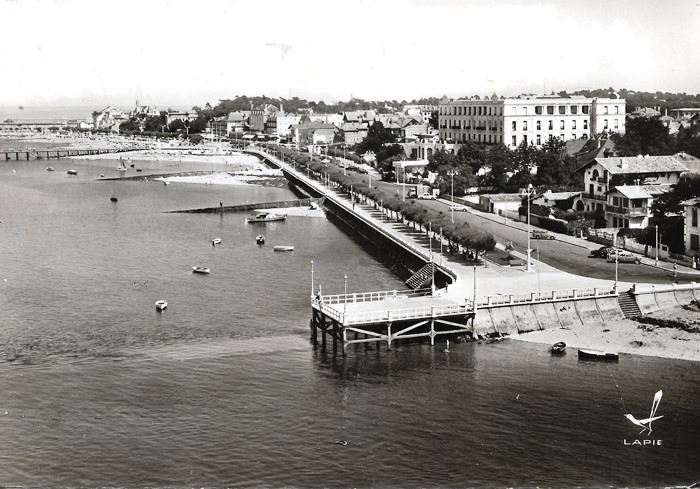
(184, 53)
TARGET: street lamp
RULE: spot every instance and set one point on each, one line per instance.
(381, 207)
(452, 192)
(345, 306)
(529, 191)
(312, 279)
(616, 261)
(656, 233)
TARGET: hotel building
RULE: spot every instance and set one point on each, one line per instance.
(529, 118)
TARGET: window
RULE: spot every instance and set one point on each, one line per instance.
(605, 123)
(524, 110)
(550, 109)
(513, 124)
(561, 137)
(573, 125)
(562, 109)
(574, 109)
(524, 125)
(539, 125)
(616, 200)
(585, 124)
(525, 139)
(617, 109)
(551, 125)
(605, 109)
(538, 109)
(695, 242)
(616, 124)
(561, 124)
(489, 110)
(539, 140)
(694, 217)
(514, 141)
(585, 109)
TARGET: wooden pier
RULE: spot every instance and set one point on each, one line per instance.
(388, 316)
(40, 154)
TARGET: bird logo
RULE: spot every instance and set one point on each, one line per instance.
(646, 423)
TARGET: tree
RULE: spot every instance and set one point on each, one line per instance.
(644, 136)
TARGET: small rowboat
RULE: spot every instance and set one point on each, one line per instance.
(161, 304)
(260, 239)
(216, 241)
(72, 172)
(204, 270)
(283, 248)
(597, 355)
(558, 347)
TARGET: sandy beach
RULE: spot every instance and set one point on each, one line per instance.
(629, 336)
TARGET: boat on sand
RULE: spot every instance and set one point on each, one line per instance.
(597, 354)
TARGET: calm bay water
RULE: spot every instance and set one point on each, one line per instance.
(224, 387)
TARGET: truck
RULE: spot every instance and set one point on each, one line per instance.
(419, 189)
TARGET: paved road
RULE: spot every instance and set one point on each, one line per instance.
(565, 253)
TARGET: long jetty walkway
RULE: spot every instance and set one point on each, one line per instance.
(481, 301)
(40, 154)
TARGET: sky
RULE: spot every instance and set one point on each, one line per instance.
(176, 53)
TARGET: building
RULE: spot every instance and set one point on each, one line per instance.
(528, 118)
(312, 133)
(692, 228)
(629, 206)
(354, 132)
(423, 112)
(623, 186)
(108, 119)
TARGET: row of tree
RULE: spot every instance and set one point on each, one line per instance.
(459, 235)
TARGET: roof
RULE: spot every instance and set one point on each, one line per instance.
(504, 197)
(640, 164)
(690, 161)
(549, 195)
(592, 149)
(642, 191)
(694, 201)
(313, 126)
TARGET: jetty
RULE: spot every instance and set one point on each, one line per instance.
(40, 154)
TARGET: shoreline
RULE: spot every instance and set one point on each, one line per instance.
(628, 336)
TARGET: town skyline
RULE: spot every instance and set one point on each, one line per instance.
(167, 53)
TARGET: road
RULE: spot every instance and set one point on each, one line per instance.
(572, 258)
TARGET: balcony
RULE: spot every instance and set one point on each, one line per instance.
(627, 211)
(480, 128)
(455, 127)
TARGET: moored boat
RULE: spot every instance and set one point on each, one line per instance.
(114, 198)
(260, 239)
(50, 168)
(283, 248)
(72, 172)
(558, 347)
(266, 217)
(597, 354)
(216, 241)
(200, 270)
(161, 304)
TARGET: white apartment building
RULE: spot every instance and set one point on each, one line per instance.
(529, 118)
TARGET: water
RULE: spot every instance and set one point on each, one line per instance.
(224, 388)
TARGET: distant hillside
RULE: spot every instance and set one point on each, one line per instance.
(662, 100)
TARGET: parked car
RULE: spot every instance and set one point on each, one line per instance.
(426, 196)
(541, 234)
(602, 252)
(622, 256)
(459, 207)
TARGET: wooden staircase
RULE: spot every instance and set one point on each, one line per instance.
(628, 305)
(422, 276)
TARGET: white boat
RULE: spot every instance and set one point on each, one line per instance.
(597, 354)
(72, 172)
(283, 248)
(266, 217)
(216, 241)
(200, 270)
(161, 304)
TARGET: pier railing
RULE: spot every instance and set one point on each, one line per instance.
(547, 296)
(371, 317)
(373, 296)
